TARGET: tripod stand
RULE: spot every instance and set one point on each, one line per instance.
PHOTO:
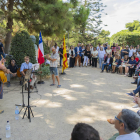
(28, 107)
(27, 81)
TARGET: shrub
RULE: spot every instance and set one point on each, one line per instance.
(22, 46)
(45, 71)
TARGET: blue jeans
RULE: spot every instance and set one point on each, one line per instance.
(61, 61)
(53, 70)
(137, 90)
(106, 64)
(3, 54)
(100, 61)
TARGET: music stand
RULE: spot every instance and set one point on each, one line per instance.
(28, 107)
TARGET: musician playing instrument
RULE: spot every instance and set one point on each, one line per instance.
(3, 78)
(26, 66)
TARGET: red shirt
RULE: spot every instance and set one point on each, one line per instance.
(137, 59)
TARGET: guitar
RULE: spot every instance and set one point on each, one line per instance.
(19, 73)
(3, 77)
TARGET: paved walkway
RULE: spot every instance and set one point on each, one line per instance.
(86, 96)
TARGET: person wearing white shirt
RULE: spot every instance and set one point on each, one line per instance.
(138, 54)
(56, 47)
(94, 54)
(101, 57)
(126, 122)
(130, 52)
(134, 49)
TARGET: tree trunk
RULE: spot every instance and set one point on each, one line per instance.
(9, 26)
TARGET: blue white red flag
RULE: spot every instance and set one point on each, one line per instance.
(40, 51)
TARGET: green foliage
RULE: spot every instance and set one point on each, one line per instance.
(45, 71)
(81, 17)
(133, 26)
(22, 46)
(125, 37)
(103, 37)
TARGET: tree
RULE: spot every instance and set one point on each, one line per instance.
(103, 36)
(49, 16)
(133, 26)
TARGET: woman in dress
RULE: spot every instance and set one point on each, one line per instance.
(72, 55)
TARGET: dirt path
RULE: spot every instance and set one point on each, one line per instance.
(86, 96)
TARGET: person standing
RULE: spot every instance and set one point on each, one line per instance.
(53, 66)
(90, 57)
(94, 54)
(82, 57)
(86, 55)
(130, 52)
(113, 48)
(78, 51)
(1, 50)
(109, 51)
(61, 54)
(122, 53)
(72, 55)
(117, 47)
(5, 70)
(101, 57)
(56, 47)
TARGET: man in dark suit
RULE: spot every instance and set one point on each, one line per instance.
(78, 51)
(108, 62)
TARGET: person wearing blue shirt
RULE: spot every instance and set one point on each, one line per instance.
(132, 62)
(28, 65)
(78, 54)
(25, 65)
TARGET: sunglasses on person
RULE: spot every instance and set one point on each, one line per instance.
(120, 121)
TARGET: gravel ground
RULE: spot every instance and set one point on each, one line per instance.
(86, 96)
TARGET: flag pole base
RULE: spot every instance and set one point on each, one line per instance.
(40, 82)
(63, 73)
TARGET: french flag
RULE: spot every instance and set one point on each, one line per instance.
(40, 51)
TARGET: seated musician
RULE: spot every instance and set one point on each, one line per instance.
(5, 70)
(13, 71)
(26, 66)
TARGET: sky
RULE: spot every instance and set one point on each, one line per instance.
(119, 13)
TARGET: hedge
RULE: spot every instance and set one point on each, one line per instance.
(22, 46)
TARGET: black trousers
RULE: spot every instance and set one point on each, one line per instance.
(71, 62)
(131, 70)
(82, 59)
(94, 62)
(90, 60)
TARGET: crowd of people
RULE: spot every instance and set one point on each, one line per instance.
(115, 59)
(123, 60)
